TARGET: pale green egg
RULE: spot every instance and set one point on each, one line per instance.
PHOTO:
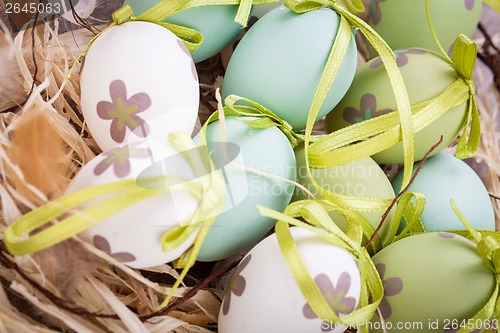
(429, 280)
(279, 62)
(403, 23)
(215, 23)
(442, 178)
(362, 178)
(426, 75)
(266, 151)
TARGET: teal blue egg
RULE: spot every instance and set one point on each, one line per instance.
(279, 62)
(240, 224)
(431, 280)
(215, 23)
(442, 178)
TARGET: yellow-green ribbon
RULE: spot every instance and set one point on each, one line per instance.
(335, 58)
(488, 248)
(208, 189)
(315, 213)
(495, 4)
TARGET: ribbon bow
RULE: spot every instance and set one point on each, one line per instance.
(488, 248)
(315, 213)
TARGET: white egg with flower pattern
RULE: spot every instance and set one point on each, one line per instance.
(138, 81)
(262, 295)
(133, 235)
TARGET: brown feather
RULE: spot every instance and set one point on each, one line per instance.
(43, 158)
(41, 155)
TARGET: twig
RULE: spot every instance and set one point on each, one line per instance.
(496, 197)
(400, 194)
(191, 292)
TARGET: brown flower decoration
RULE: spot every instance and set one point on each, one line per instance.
(401, 57)
(334, 295)
(122, 111)
(392, 287)
(237, 284)
(102, 244)
(119, 159)
(367, 110)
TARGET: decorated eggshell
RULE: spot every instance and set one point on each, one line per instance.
(138, 82)
(133, 235)
(215, 23)
(442, 178)
(404, 24)
(362, 178)
(426, 75)
(241, 225)
(279, 62)
(263, 286)
(429, 279)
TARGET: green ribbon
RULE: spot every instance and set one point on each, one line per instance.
(495, 4)
(315, 213)
(488, 248)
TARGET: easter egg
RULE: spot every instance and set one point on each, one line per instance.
(403, 23)
(133, 235)
(138, 82)
(279, 62)
(240, 224)
(261, 10)
(362, 178)
(426, 75)
(442, 178)
(429, 280)
(263, 286)
(215, 23)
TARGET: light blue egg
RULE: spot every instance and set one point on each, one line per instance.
(240, 225)
(215, 23)
(444, 177)
(279, 62)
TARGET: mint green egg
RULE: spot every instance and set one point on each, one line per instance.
(215, 23)
(442, 178)
(426, 75)
(279, 62)
(429, 280)
(240, 224)
(362, 178)
(403, 23)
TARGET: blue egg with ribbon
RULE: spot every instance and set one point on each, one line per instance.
(216, 24)
(260, 169)
(280, 60)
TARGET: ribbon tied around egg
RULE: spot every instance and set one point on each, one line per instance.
(488, 248)
(315, 213)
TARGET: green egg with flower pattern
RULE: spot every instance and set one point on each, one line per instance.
(362, 178)
(215, 23)
(431, 280)
(426, 75)
(403, 23)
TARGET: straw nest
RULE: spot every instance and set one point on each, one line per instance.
(73, 286)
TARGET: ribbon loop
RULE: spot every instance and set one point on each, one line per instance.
(123, 15)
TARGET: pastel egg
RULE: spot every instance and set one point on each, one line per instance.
(138, 82)
(215, 23)
(404, 24)
(426, 75)
(362, 178)
(279, 62)
(261, 10)
(133, 235)
(442, 178)
(263, 286)
(431, 279)
(240, 224)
